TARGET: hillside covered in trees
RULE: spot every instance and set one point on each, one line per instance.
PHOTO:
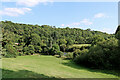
(25, 39)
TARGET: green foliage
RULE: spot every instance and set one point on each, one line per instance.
(10, 51)
(26, 50)
(55, 50)
(69, 55)
(70, 42)
(84, 51)
(60, 53)
(62, 41)
(96, 56)
(56, 46)
(118, 36)
(41, 39)
(71, 48)
(38, 49)
(31, 49)
(81, 56)
(77, 51)
(63, 47)
(104, 54)
(97, 39)
(35, 39)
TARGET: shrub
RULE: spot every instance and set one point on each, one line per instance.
(60, 53)
(31, 49)
(96, 56)
(20, 54)
(82, 58)
(69, 55)
(104, 55)
(77, 51)
(38, 49)
(26, 50)
(63, 47)
(55, 50)
(10, 51)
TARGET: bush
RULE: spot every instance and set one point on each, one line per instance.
(82, 58)
(55, 50)
(96, 56)
(20, 54)
(69, 55)
(31, 49)
(11, 52)
(26, 50)
(77, 51)
(104, 55)
(38, 49)
(60, 53)
(63, 47)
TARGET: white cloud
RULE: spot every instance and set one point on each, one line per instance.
(100, 15)
(68, 25)
(75, 0)
(14, 11)
(5, 0)
(62, 24)
(29, 3)
(32, 3)
(108, 30)
(73, 24)
(77, 24)
(86, 22)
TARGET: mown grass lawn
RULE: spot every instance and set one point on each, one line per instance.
(47, 67)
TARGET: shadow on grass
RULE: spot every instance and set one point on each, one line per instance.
(24, 75)
(74, 65)
(29, 75)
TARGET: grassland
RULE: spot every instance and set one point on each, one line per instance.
(79, 45)
(47, 67)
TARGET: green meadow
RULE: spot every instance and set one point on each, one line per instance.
(39, 66)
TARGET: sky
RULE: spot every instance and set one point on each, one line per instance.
(100, 16)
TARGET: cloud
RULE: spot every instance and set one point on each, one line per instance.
(86, 22)
(29, 3)
(14, 11)
(32, 3)
(73, 24)
(100, 15)
(5, 0)
(77, 24)
(62, 24)
(108, 30)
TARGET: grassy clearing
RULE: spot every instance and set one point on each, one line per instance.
(79, 45)
(48, 67)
